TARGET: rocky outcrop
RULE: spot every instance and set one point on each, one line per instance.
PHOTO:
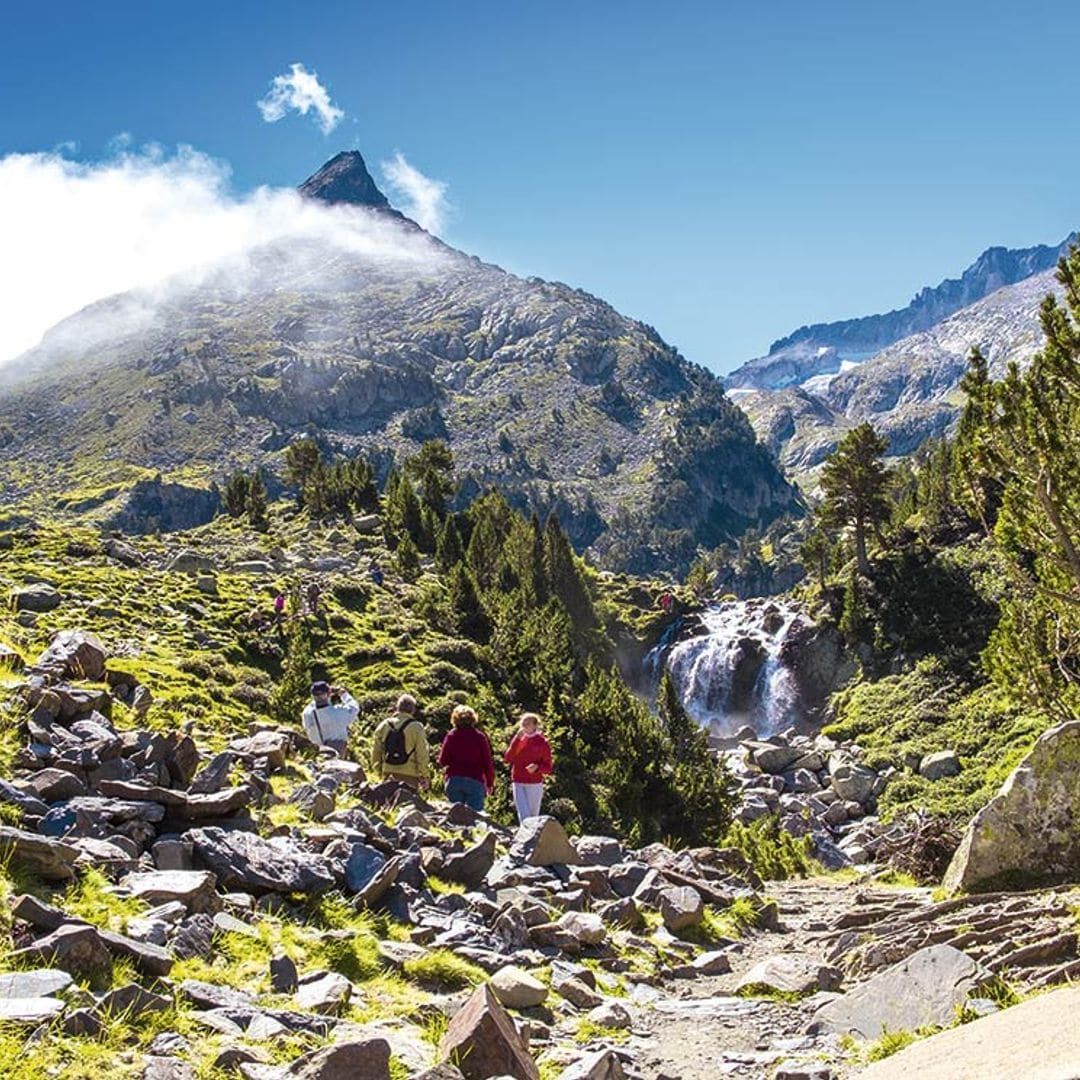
(1028, 830)
(157, 506)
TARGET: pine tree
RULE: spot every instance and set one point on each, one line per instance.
(432, 470)
(302, 458)
(293, 686)
(565, 576)
(853, 484)
(448, 549)
(256, 502)
(235, 495)
(407, 558)
(469, 613)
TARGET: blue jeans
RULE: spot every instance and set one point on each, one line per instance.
(465, 789)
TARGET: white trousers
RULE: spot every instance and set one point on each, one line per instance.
(527, 800)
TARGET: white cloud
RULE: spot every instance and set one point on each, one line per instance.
(302, 91)
(419, 196)
(75, 233)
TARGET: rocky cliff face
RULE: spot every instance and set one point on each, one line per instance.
(378, 337)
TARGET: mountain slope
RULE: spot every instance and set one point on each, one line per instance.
(377, 337)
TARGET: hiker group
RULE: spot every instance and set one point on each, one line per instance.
(400, 751)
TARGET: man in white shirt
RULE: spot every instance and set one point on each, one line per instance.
(327, 717)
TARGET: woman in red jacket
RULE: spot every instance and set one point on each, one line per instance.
(466, 759)
(529, 755)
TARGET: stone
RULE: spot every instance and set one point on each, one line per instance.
(483, 1041)
(121, 551)
(43, 983)
(598, 850)
(147, 957)
(940, 764)
(38, 597)
(315, 802)
(772, 758)
(681, 907)
(625, 877)
(194, 938)
(189, 562)
(1028, 829)
(610, 1015)
(713, 962)
(247, 862)
(470, 866)
(172, 853)
(74, 654)
(380, 884)
(1035, 1040)
(53, 785)
(327, 994)
(206, 995)
(284, 978)
(542, 841)
(363, 864)
(575, 990)
(852, 782)
(601, 1064)
(30, 1011)
(364, 1060)
(803, 1070)
(38, 914)
(517, 989)
(23, 800)
(42, 856)
(224, 923)
(74, 948)
(921, 991)
(396, 954)
(195, 889)
(167, 1068)
(272, 745)
(214, 775)
(83, 1023)
(789, 974)
(133, 1000)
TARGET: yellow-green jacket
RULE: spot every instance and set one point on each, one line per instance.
(416, 746)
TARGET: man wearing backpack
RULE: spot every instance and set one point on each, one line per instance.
(400, 750)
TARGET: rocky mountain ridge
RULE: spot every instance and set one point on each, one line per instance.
(378, 337)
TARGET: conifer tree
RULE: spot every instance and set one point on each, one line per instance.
(432, 470)
(853, 484)
(256, 503)
(302, 458)
(293, 686)
(564, 575)
(235, 494)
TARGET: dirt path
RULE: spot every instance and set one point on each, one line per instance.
(697, 1029)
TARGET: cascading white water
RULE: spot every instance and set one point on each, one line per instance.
(734, 674)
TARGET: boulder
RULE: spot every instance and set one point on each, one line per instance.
(542, 841)
(363, 864)
(469, 867)
(328, 993)
(601, 1064)
(923, 990)
(29, 1011)
(195, 889)
(272, 745)
(940, 764)
(133, 1000)
(38, 597)
(246, 862)
(789, 975)
(41, 856)
(189, 562)
(45, 982)
(610, 1015)
(363, 1060)
(517, 989)
(74, 654)
(1028, 829)
(598, 850)
(852, 781)
(483, 1041)
(681, 907)
(772, 758)
(77, 949)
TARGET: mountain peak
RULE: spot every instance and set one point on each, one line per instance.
(345, 179)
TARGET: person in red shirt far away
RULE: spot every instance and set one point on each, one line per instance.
(529, 755)
(465, 757)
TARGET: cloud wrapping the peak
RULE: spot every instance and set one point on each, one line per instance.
(75, 233)
(300, 90)
(420, 197)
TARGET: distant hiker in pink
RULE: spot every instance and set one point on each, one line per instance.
(529, 755)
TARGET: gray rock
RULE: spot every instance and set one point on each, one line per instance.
(147, 957)
(542, 841)
(42, 856)
(923, 990)
(189, 562)
(74, 948)
(484, 1042)
(610, 1015)
(852, 781)
(366, 1060)
(74, 654)
(471, 866)
(195, 889)
(55, 784)
(789, 974)
(940, 764)
(329, 993)
(38, 597)
(284, 978)
(601, 1064)
(29, 1011)
(1028, 829)
(681, 907)
(517, 989)
(598, 850)
(249, 863)
(167, 1068)
(363, 864)
(45, 982)
(772, 758)
(133, 1000)
(194, 938)
(206, 995)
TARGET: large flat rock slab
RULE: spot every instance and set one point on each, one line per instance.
(1037, 1040)
(922, 990)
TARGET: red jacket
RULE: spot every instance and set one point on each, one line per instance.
(467, 752)
(527, 750)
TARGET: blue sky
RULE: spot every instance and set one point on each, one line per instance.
(723, 173)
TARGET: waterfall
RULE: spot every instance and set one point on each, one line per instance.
(735, 672)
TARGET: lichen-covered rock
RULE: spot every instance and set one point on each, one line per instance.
(1028, 830)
